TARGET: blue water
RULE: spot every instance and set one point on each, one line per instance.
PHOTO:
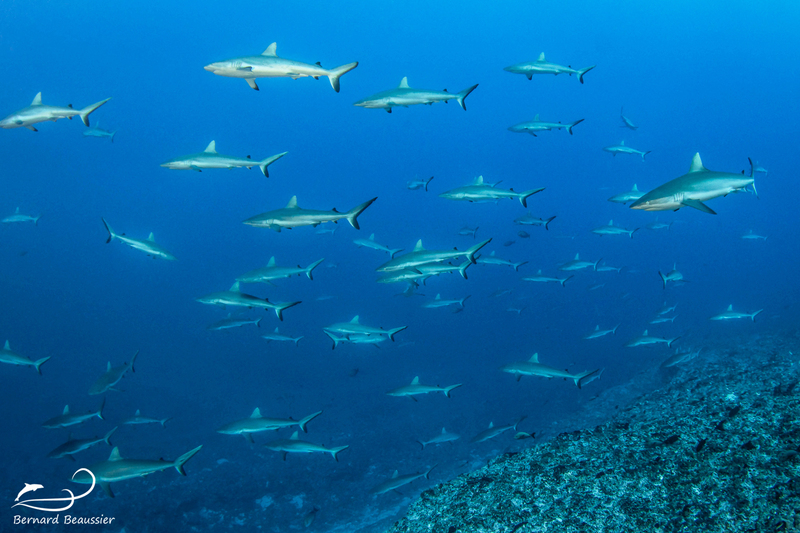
(711, 77)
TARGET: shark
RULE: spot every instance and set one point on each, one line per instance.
(759, 168)
(139, 419)
(370, 243)
(257, 423)
(466, 230)
(536, 125)
(694, 188)
(493, 431)
(439, 302)
(416, 184)
(112, 376)
(415, 387)
(578, 264)
(147, 246)
(541, 66)
(10, 357)
(611, 229)
(73, 446)
(540, 278)
(269, 65)
(532, 367)
(374, 340)
(664, 320)
(19, 217)
(66, 419)
(435, 269)
(277, 336)
(233, 322)
(530, 220)
(294, 445)
(209, 158)
(271, 271)
(730, 314)
(354, 327)
(235, 297)
(420, 256)
(481, 192)
(646, 340)
(397, 481)
(673, 275)
(403, 96)
(608, 268)
(626, 122)
(439, 438)
(293, 216)
(97, 131)
(116, 468)
(620, 148)
(681, 357)
(667, 309)
(625, 197)
(39, 112)
(750, 236)
(597, 333)
(492, 259)
(656, 225)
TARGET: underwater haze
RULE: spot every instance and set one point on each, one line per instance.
(714, 78)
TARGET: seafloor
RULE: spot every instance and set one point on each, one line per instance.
(714, 447)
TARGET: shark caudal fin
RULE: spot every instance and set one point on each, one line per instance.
(113, 134)
(427, 182)
(279, 309)
(335, 73)
(392, 332)
(335, 451)
(352, 215)
(86, 111)
(302, 423)
(99, 412)
(663, 278)
(428, 472)
(180, 461)
(422, 443)
(448, 390)
(753, 175)
(645, 153)
(580, 379)
(670, 341)
(517, 265)
(110, 231)
(523, 196)
(460, 97)
(311, 268)
(630, 234)
(565, 280)
(570, 126)
(394, 252)
(268, 161)
(470, 253)
(38, 364)
(108, 436)
(753, 316)
(547, 223)
(164, 421)
(584, 71)
(336, 340)
(463, 269)
(464, 299)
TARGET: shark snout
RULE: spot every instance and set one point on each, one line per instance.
(212, 67)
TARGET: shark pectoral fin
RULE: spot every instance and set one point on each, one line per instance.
(249, 438)
(700, 206)
(283, 456)
(71, 457)
(194, 167)
(31, 128)
(252, 83)
(106, 488)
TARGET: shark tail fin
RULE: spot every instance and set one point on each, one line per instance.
(395, 252)
(549, 220)
(99, 413)
(464, 299)
(268, 161)
(523, 196)
(565, 280)
(754, 315)
(297, 340)
(427, 182)
(428, 473)
(36, 220)
(663, 278)
(311, 268)
(352, 215)
(580, 378)
(395, 331)
(470, 253)
(448, 390)
(335, 451)
(38, 364)
(110, 231)
(302, 423)
(460, 97)
(422, 444)
(463, 269)
(753, 175)
(631, 233)
(645, 153)
(584, 71)
(258, 322)
(335, 73)
(108, 436)
(517, 265)
(569, 128)
(669, 342)
(86, 111)
(113, 133)
(164, 421)
(336, 340)
(594, 267)
(180, 461)
(281, 308)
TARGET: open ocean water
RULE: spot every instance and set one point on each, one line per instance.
(718, 78)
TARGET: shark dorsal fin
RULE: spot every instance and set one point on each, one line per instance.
(597, 327)
(292, 203)
(438, 297)
(355, 320)
(271, 50)
(418, 246)
(635, 188)
(66, 410)
(730, 307)
(235, 287)
(97, 125)
(541, 57)
(443, 431)
(577, 257)
(492, 254)
(271, 261)
(395, 474)
(415, 381)
(539, 273)
(534, 358)
(276, 330)
(491, 425)
(478, 180)
(611, 222)
(294, 436)
(372, 236)
(536, 118)
(256, 413)
(115, 455)
(138, 412)
(7, 346)
(403, 84)
(16, 211)
(37, 100)
(644, 334)
(151, 238)
(697, 164)
(211, 148)
(108, 366)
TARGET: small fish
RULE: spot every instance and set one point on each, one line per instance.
(524, 234)
(418, 184)
(508, 243)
